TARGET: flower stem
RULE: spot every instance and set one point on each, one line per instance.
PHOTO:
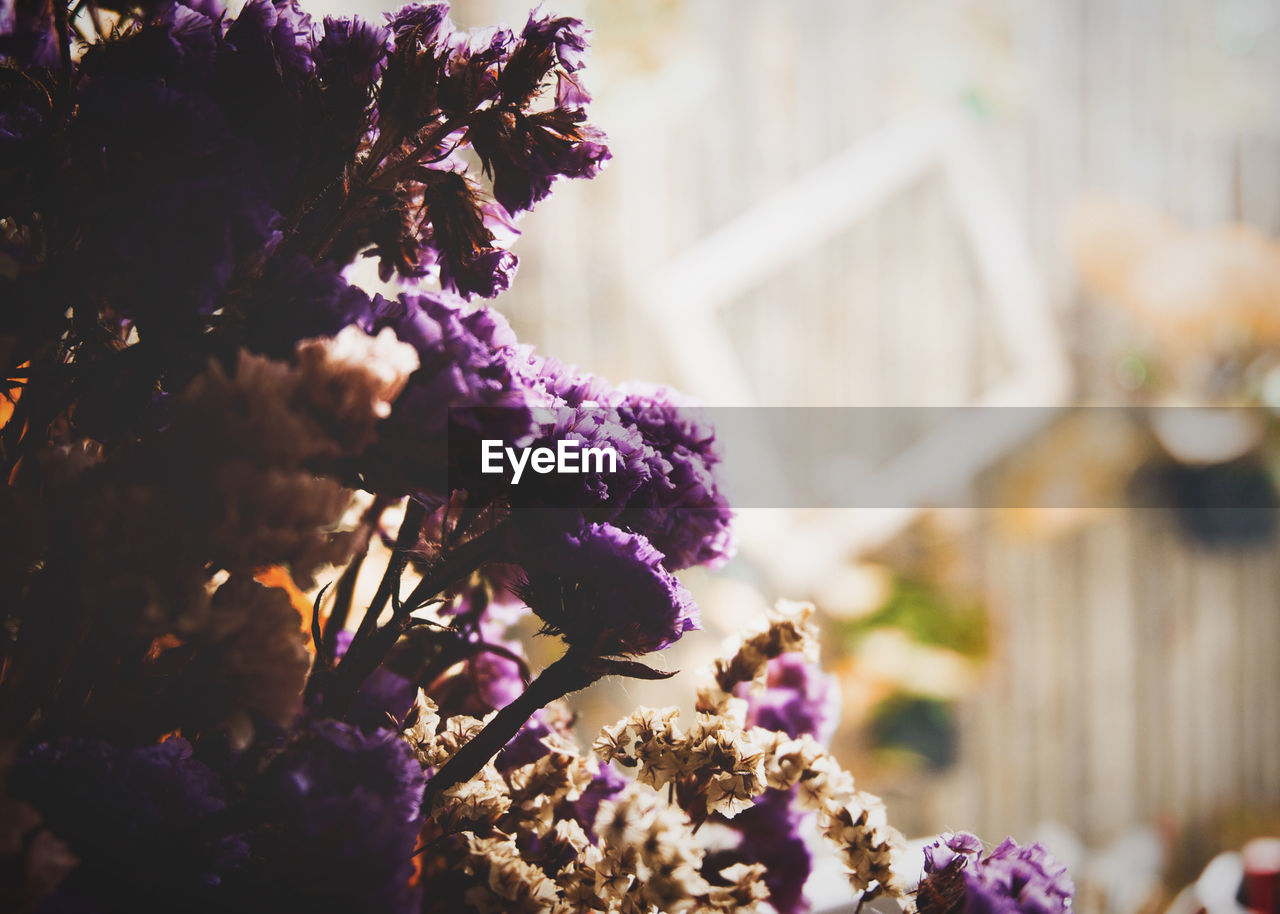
(62, 23)
(345, 590)
(568, 674)
(368, 650)
(407, 537)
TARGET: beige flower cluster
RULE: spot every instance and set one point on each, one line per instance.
(720, 765)
(248, 474)
(646, 856)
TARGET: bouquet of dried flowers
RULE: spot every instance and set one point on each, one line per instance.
(203, 420)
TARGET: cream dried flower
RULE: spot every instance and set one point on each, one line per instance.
(354, 373)
(510, 883)
(479, 801)
(787, 628)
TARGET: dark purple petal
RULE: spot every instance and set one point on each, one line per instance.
(339, 813)
(351, 51)
(27, 36)
(771, 834)
(604, 590)
(139, 818)
(565, 34)
(425, 23)
(297, 300)
(464, 386)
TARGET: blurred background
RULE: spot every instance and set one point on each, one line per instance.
(949, 202)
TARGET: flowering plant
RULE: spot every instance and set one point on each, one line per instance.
(203, 419)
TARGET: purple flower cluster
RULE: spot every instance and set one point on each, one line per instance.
(335, 812)
(666, 486)
(144, 821)
(204, 177)
(1012, 879)
(201, 389)
(798, 700)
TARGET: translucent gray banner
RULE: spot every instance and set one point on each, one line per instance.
(978, 457)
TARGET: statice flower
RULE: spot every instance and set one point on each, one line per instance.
(682, 509)
(463, 390)
(665, 486)
(606, 592)
(158, 265)
(526, 150)
(207, 430)
(348, 62)
(770, 834)
(297, 299)
(383, 700)
(798, 700)
(143, 820)
(1024, 879)
(479, 89)
(338, 817)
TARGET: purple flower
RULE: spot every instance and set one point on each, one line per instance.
(381, 699)
(348, 62)
(265, 68)
(458, 236)
(26, 34)
(420, 23)
(600, 492)
(280, 28)
(1013, 879)
(179, 45)
(485, 273)
(545, 43)
(297, 300)
(798, 699)
(770, 834)
(497, 679)
(607, 784)
(351, 52)
(565, 34)
(525, 152)
(463, 387)
(950, 848)
(337, 822)
(472, 66)
(155, 156)
(486, 680)
(682, 509)
(604, 590)
(142, 819)
(663, 486)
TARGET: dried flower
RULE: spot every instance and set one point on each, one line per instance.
(605, 591)
(1010, 879)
